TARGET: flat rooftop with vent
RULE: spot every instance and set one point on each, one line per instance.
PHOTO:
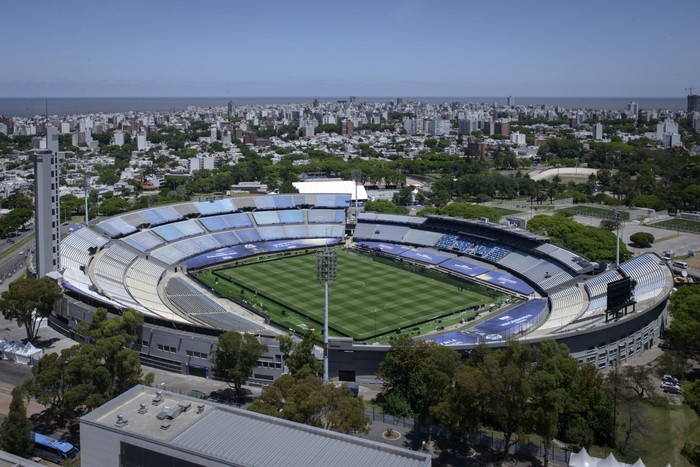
(146, 427)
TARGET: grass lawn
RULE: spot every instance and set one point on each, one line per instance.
(668, 428)
(370, 297)
(593, 211)
(684, 225)
(506, 211)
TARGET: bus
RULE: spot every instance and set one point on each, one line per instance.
(53, 450)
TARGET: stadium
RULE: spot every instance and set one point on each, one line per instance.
(196, 269)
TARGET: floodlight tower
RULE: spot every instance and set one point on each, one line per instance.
(617, 239)
(326, 267)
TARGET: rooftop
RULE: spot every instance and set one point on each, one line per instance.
(229, 434)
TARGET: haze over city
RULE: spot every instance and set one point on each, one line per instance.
(305, 48)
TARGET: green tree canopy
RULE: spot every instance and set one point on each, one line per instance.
(28, 302)
(594, 243)
(642, 239)
(299, 356)
(307, 400)
(235, 357)
(16, 430)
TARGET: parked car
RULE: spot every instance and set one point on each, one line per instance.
(668, 386)
(670, 379)
(672, 390)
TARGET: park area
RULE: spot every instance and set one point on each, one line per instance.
(371, 297)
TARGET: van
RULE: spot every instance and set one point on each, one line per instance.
(680, 264)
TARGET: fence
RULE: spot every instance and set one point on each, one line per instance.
(477, 438)
(378, 415)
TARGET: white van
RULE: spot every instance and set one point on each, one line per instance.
(680, 264)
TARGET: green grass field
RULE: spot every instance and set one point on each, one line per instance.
(683, 225)
(371, 296)
(593, 211)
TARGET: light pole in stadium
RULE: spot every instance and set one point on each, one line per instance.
(326, 267)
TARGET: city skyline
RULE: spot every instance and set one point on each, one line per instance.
(414, 48)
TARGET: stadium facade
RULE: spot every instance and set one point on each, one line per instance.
(140, 260)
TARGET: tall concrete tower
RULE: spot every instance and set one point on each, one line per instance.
(47, 220)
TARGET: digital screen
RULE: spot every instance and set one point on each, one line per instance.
(619, 293)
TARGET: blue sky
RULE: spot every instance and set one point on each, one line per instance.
(124, 48)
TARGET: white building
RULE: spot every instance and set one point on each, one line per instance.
(199, 163)
(597, 131)
(118, 138)
(141, 141)
(517, 138)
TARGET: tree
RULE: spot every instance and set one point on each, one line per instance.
(608, 224)
(89, 374)
(403, 197)
(307, 400)
(299, 356)
(28, 302)
(506, 373)
(684, 332)
(16, 430)
(235, 357)
(642, 239)
(691, 396)
(550, 380)
(113, 206)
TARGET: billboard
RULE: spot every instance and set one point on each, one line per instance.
(387, 248)
(464, 267)
(507, 282)
(619, 293)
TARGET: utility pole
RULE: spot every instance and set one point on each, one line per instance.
(326, 268)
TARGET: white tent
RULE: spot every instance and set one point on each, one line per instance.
(583, 459)
(335, 187)
(15, 351)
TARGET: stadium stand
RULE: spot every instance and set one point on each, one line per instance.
(421, 237)
(178, 230)
(218, 206)
(597, 289)
(326, 216)
(144, 241)
(109, 272)
(193, 303)
(228, 221)
(565, 305)
(648, 274)
(141, 280)
(376, 217)
(77, 249)
(565, 257)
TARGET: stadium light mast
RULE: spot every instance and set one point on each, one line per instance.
(326, 267)
(617, 238)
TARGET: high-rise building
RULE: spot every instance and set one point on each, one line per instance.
(46, 210)
(511, 101)
(230, 109)
(347, 127)
(597, 131)
(693, 103)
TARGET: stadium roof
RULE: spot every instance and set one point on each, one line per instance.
(331, 187)
(239, 437)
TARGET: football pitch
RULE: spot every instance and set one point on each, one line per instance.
(370, 297)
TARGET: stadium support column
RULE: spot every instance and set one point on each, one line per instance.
(617, 239)
(326, 266)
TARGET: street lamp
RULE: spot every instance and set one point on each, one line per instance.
(326, 267)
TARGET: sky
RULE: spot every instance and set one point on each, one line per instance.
(427, 48)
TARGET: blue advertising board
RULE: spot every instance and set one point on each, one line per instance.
(507, 281)
(424, 256)
(388, 248)
(249, 249)
(463, 267)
